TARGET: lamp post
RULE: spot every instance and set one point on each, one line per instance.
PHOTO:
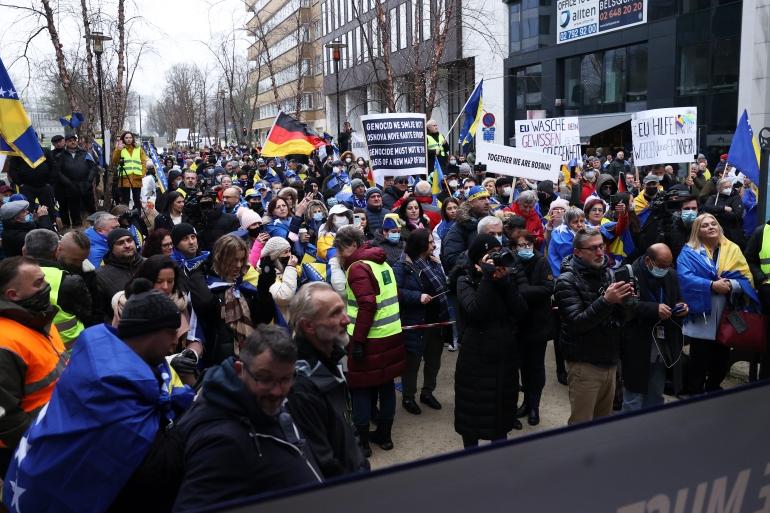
(224, 118)
(98, 40)
(336, 47)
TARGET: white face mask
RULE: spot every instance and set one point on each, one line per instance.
(453, 184)
(507, 191)
(726, 191)
(340, 221)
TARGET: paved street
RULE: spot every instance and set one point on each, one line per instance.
(432, 433)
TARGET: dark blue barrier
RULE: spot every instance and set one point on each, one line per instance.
(706, 455)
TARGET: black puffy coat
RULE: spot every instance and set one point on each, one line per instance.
(76, 171)
(112, 278)
(214, 224)
(233, 449)
(485, 376)
(459, 238)
(676, 235)
(14, 233)
(590, 326)
(637, 341)
(731, 222)
(537, 292)
(319, 402)
(46, 173)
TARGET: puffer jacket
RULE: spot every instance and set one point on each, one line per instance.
(384, 358)
(413, 312)
(392, 251)
(486, 386)
(590, 326)
(459, 238)
(537, 293)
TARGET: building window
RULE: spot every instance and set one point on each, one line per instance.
(528, 84)
(693, 69)
(402, 35)
(393, 21)
(725, 63)
(636, 74)
(426, 20)
(514, 27)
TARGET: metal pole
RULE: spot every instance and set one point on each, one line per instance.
(101, 124)
(764, 175)
(224, 118)
(337, 77)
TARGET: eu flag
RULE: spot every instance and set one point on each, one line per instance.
(17, 137)
(473, 110)
(744, 150)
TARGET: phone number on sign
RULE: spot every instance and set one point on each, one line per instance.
(578, 32)
(609, 14)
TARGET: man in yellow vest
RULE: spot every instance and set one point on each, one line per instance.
(376, 353)
(69, 292)
(32, 355)
(437, 146)
(130, 163)
(758, 257)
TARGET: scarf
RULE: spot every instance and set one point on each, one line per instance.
(189, 264)
(434, 283)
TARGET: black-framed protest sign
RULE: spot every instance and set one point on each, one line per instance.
(396, 144)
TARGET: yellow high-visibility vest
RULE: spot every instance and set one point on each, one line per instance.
(132, 162)
(68, 325)
(387, 319)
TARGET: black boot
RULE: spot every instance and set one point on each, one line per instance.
(382, 435)
(533, 419)
(523, 410)
(363, 440)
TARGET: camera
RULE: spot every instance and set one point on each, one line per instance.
(502, 258)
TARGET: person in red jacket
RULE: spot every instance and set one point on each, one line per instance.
(376, 353)
(524, 206)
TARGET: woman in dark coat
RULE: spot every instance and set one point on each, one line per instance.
(536, 291)
(485, 377)
(727, 206)
(422, 299)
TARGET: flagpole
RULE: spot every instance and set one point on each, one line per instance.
(273, 125)
(463, 109)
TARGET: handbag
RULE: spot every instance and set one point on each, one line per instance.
(744, 331)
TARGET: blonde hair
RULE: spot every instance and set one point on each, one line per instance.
(695, 241)
(225, 250)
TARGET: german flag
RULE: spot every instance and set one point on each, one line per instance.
(290, 137)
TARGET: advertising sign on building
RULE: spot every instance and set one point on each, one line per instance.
(396, 144)
(662, 136)
(511, 161)
(578, 19)
(555, 136)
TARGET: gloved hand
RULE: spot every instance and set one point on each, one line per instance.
(185, 362)
(358, 351)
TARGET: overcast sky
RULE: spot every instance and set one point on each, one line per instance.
(173, 26)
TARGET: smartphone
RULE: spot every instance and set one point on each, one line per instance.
(356, 221)
(623, 274)
(410, 188)
(614, 200)
(677, 309)
(572, 171)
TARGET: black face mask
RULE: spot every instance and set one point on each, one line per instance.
(650, 192)
(37, 302)
(284, 261)
(254, 231)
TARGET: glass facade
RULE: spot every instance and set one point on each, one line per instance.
(606, 81)
(529, 24)
(529, 87)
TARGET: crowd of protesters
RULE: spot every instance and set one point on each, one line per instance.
(239, 322)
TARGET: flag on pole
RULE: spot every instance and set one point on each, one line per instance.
(436, 179)
(290, 137)
(73, 120)
(17, 137)
(744, 150)
(473, 110)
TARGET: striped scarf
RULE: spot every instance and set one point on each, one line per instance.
(434, 283)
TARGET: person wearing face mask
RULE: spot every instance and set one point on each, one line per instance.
(18, 221)
(584, 184)
(649, 220)
(390, 239)
(277, 253)
(727, 207)
(335, 181)
(339, 216)
(681, 223)
(315, 217)
(453, 167)
(545, 196)
(503, 189)
(653, 338)
(32, 355)
(536, 291)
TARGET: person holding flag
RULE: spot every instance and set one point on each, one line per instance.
(436, 144)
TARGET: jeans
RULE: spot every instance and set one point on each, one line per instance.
(362, 398)
(655, 383)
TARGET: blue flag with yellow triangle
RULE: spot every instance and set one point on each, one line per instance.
(17, 137)
(744, 150)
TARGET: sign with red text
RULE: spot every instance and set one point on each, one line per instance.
(578, 19)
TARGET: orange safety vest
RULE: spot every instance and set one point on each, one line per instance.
(44, 357)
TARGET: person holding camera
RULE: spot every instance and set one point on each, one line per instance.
(589, 304)
(376, 354)
(490, 309)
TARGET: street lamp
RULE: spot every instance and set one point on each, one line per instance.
(98, 41)
(222, 97)
(336, 47)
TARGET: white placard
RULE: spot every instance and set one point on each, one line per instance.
(554, 136)
(358, 146)
(182, 135)
(663, 136)
(396, 144)
(511, 161)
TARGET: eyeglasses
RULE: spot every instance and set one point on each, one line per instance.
(269, 383)
(167, 245)
(595, 248)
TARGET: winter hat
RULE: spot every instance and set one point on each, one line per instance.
(481, 245)
(114, 235)
(372, 190)
(558, 203)
(545, 186)
(356, 182)
(248, 217)
(476, 192)
(390, 221)
(147, 311)
(274, 247)
(339, 208)
(12, 209)
(181, 231)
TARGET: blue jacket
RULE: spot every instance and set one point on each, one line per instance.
(412, 310)
(98, 247)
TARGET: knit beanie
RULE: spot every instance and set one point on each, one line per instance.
(558, 203)
(248, 217)
(372, 190)
(274, 247)
(114, 235)
(481, 246)
(356, 182)
(147, 311)
(181, 231)
(390, 221)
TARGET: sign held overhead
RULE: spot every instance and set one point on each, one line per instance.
(507, 160)
(662, 136)
(396, 144)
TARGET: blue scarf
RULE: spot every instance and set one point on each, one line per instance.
(189, 264)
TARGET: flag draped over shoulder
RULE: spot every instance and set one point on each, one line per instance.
(102, 419)
(744, 150)
(17, 137)
(696, 271)
(290, 137)
(473, 110)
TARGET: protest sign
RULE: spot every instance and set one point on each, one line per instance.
(507, 160)
(555, 136)
(358, 146)
(396, 144)
(182, 135)
(664, 136)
